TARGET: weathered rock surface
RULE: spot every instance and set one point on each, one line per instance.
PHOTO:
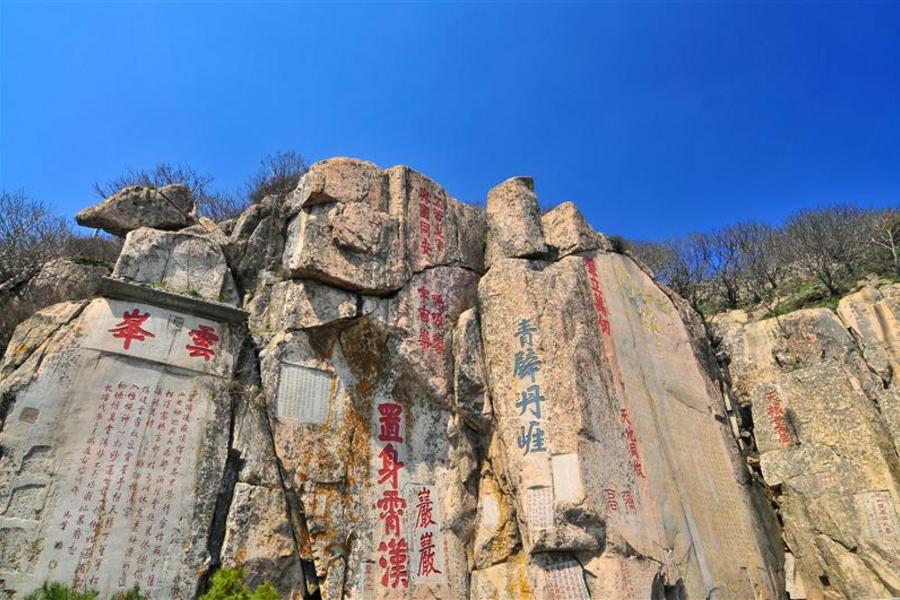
(64, 279)
(390, 419)
(368, 230)
(183, 263)
(113, 449)
(612, 437)
(514, 221)
(566, 230)
(169, 207)
(826, 429)
(56, 281)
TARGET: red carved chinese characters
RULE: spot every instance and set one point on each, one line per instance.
(130, 328)
(630, 504)
(431, 222)
(775, 410)
(631, 436)
(124, 484)
(389, 422)
(426, 533)
(204, 338)
(432, 328)
(426, 555)
(393, 558)
(393, 564)
(609, 350)
(597, 294)
(612, 504)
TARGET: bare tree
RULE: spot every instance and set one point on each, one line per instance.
(29, 236)
(278, 174)
(830, 242)
(214, 205)
(886, 235)
(690, 269)
(726, 253)
(656, 255)
(763, 259)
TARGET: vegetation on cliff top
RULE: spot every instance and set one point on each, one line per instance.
(811, 260)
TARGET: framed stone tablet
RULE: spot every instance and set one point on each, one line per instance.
(303, 394)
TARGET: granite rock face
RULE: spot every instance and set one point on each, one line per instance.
(184, 263)
(514, 221)
(825, 418)
(370, 390)
(115, 434)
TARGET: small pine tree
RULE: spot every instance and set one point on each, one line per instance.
(228, 584)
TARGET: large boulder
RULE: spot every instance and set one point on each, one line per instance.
(363, 229)
(168, 207)
(566, 230)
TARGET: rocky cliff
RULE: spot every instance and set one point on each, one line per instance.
(369, 389)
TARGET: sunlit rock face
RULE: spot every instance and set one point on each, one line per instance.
(825, 412)
(418, 398)
(114, 444)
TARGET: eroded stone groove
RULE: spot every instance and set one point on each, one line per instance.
(368, 389)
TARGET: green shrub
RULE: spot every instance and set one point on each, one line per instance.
(228, 584)
(61, 591)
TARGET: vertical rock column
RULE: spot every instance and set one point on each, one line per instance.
(357, 370)
(610, 438)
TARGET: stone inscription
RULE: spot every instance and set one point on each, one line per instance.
(603, 324)
(539, 507)
(303, 394)
(158, 334)
(775, 411)
(393, 549)
(526, 365)
(431, 222)
(636, 464)
(879, 510)
(619, 501)
(597, 295)
(119, 515)
(200, 341)
(432, 326)
(565, 581)
(427, 554)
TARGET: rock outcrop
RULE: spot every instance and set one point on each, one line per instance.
(368, 389)
(168, 207)
(825, 411)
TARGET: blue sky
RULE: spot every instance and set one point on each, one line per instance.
(655, 118)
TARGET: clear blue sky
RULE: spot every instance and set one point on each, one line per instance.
(655, 118)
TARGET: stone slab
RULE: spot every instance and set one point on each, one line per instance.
(303, 394)
(109, 457)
